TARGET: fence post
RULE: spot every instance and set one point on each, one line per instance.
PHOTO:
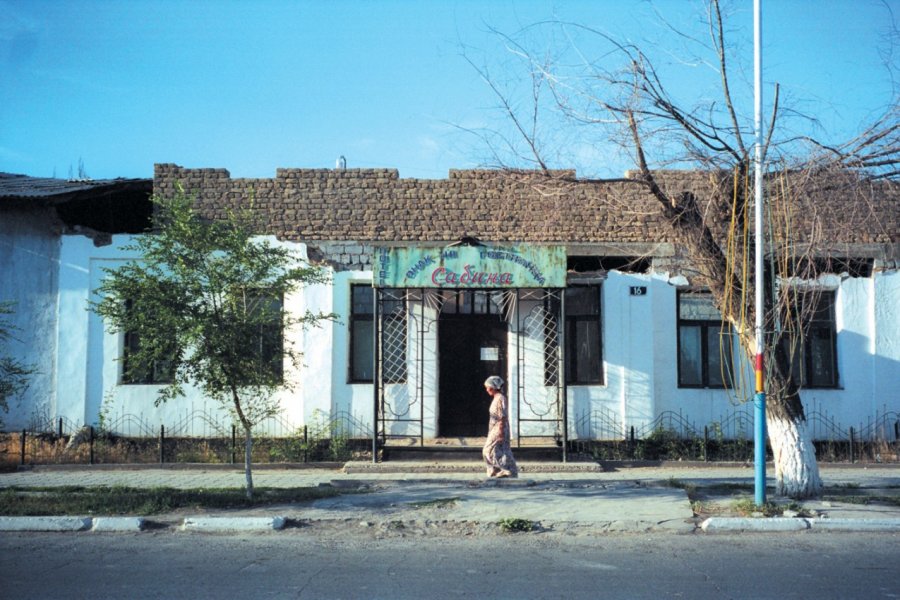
(233, 442)
(705, 443)
(91, 444)
(631, 441)
(22, 448)
(59, 430)
(162, 444)
(851, 445)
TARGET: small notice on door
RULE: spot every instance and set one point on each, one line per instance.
(490, 354)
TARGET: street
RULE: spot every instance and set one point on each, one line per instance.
(299, 563)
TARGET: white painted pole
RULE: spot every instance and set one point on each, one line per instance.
(760, 396)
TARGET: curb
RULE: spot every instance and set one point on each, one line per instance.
(776, 524)
(45, 523)
(226, 524)
(118, 524)
(277, 523)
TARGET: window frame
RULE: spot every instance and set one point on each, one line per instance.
(570, 324)
(360, 317)
(705, 326)
(368, 316)
(807, 332)
(275, 360)
(156, 374)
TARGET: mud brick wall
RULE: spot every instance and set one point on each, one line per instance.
(375, 206)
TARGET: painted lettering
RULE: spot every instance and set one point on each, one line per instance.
(469, 277)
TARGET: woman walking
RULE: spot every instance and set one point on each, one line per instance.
(497, 451)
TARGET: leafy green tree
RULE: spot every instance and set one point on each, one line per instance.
(203, 305)
(13, 373)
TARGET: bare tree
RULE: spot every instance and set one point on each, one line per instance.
(709, 217)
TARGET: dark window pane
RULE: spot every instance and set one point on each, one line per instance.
(158, 371)
(690, 369)
(362, 299)
(719, 348)
(362, 360)
(811, 333)
(583, 301)
(822, 360)
(587, 350)
(584, 351)
(450, 302)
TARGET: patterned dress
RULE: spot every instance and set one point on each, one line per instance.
(497, 451)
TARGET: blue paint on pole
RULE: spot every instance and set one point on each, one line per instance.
(759, 432)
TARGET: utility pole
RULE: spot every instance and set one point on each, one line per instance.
(759, 400)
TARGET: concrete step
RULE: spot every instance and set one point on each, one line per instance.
(464, 453)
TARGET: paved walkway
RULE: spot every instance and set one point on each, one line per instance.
(578, 495)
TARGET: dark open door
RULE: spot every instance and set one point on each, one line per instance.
(471, 348)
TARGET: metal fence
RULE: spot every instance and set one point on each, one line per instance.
(196, 437)
(674, 435)
(205, 437)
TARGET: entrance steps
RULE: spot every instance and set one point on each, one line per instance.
(464, 454)
(476, 468)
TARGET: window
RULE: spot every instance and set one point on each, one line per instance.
(811, 340)
(705, 343)
(584, 360)
(267, 335)
(137, 372)
(362, 332)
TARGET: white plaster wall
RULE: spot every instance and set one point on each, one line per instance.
(354, 398)
(868, 348)
(639, 349)
(29, 277)
(89, 370)
(886, 322)
(696, 407)
(629, 331)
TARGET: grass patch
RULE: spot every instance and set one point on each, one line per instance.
(512, 525)
(117, 500)
(864, 500)
(747, 507)
(437, 503)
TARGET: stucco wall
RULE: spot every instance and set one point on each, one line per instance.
(29, 267)
(89, 371)
(639, 352)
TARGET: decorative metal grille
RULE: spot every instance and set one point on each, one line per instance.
(405, 317)
(540, 383)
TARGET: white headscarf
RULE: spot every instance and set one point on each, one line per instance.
(494, 381)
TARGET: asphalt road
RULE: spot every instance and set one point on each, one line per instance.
(353, 564)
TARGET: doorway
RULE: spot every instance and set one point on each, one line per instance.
(471, 348)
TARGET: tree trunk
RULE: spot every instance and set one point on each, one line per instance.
(248, 452)
(796, 469)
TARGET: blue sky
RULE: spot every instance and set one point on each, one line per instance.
(252, 86)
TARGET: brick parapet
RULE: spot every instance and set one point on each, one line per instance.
(376, 206)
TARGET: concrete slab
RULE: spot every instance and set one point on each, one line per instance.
(44, 523)
(118, 524)
(237, 523)
(589, 504)
(732, 524)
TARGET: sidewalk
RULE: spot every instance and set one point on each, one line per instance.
(572, 497)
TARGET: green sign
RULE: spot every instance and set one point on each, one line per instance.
(471, 267)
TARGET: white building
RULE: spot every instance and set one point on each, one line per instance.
(576, 294)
